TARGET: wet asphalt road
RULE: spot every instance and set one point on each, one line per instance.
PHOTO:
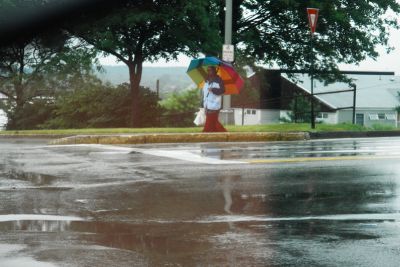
(311, 203)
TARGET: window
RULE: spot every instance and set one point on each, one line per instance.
(391, 116)
(381, 116)
(253, 112)
(325, 115)
(373, 117)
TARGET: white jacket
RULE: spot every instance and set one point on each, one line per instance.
(211, 101)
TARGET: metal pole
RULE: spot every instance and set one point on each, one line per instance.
(354, 103)
(158, 88)
(228, 40)
(312, 84)
(228, 22)
(242, 115)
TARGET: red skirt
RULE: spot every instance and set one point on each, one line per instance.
(212, 124)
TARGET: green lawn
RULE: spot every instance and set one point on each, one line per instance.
(286, 127)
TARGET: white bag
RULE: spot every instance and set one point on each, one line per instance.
(200, 117)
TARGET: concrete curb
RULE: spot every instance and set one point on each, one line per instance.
(348, 134)
(181, 138)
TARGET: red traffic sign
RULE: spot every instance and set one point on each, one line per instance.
(312, 18)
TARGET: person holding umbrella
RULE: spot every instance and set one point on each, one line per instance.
(212, 92)
(215, 78)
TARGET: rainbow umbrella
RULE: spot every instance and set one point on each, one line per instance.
(197, 71)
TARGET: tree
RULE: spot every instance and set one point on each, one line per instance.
(179, 108)
(31, 71)
(398, 107)
(149, 30)
(96, 104)
(277, 32)
(300, 109)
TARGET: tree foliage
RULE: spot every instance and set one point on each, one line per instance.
(149, 30)
(299, 109)
(33, 71)
(97, 105)
(179, 108)
(277, 32)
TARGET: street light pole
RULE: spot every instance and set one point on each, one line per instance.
(228, 22)
(354, 102)
(228, 41)
(312, 19)
(312, 83)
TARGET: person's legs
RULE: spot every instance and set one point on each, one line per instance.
(209, 125)
(212, 124)
(219, 127)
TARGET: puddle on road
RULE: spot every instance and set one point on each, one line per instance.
(36, 222)
(37, 217)
(37, 179)
(10, 256)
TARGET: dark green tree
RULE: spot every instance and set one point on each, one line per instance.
(179, 108)
(32, 71)
(98, 105)
(270, 31)
(149, 30)
(299, 109)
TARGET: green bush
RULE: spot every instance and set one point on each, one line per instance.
(179, 108)
(102, 106)
(30, 115)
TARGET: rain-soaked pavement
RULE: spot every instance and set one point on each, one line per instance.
(309, 203)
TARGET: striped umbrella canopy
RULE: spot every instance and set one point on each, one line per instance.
(197, 71)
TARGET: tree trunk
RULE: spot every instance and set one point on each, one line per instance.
(135, 75)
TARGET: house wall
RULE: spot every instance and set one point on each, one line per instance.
(369, 121)
(346, 116)
(327, 117)
(332, 117)
(256, 116)
(270, 116)
(3, 119)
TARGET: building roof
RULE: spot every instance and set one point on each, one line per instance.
(373, 91)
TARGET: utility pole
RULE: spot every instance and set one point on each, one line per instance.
(354, 102)
(158, 88)
(312, 19)
(228, 42)
(312, 84)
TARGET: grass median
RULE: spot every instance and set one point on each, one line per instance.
(284, 127)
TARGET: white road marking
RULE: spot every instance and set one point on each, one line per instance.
(37, 217)
(185, 155)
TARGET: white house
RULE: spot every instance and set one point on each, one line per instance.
(376, 100)
(3, 117)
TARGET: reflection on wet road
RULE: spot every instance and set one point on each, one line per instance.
(200, 204)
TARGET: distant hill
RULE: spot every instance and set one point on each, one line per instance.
(171, 78)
